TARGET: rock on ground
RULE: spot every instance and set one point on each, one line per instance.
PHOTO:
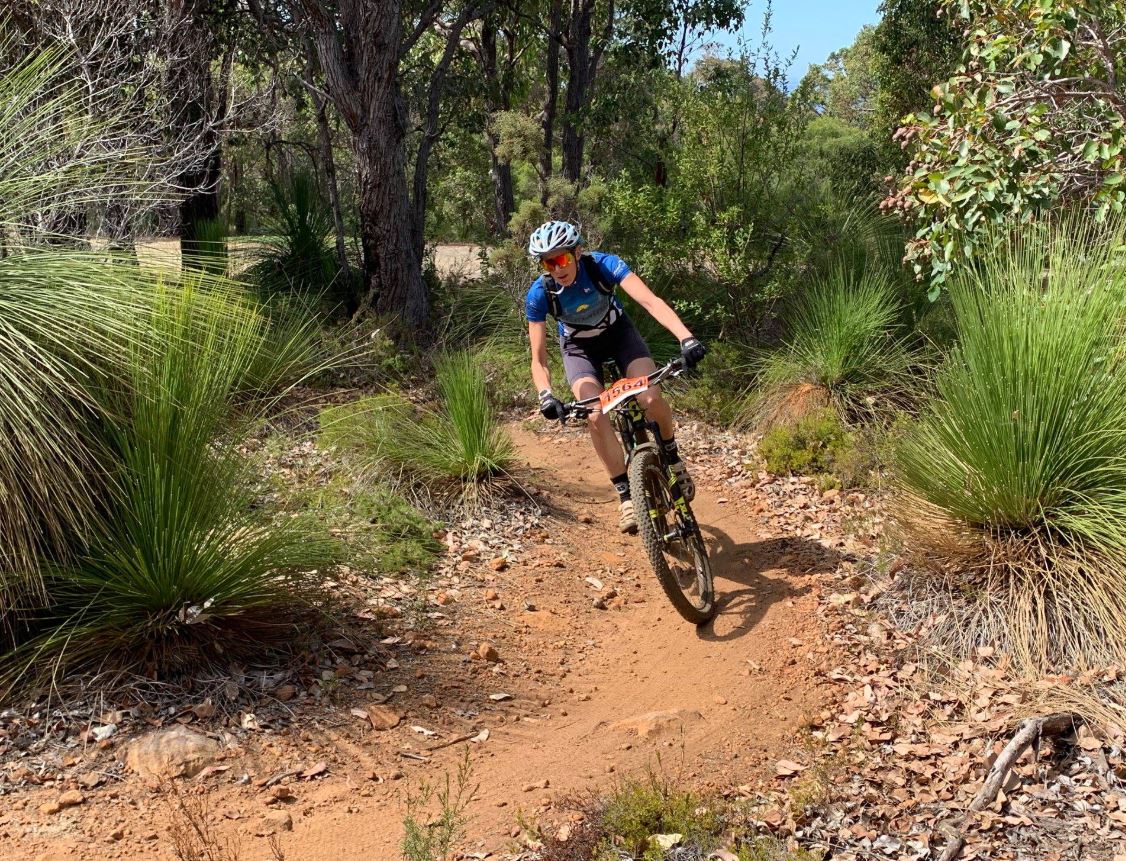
(173, 752)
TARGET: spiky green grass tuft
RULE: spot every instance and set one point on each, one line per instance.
(181, 567)
(456, 444)
(843, 348)
(1014, 479)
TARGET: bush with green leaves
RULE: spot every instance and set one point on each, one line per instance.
(1033, 119)
(819, 445)
(380, 530)
(66, 316)
(638, 809)
(130, 540)
(843, 348)
(453, 446)
(180, 567)
(1012, 482)
(208, 248)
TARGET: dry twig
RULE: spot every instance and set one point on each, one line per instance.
(1029, 732)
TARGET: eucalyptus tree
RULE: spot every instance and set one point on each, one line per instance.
(363, 46)
(650, 32)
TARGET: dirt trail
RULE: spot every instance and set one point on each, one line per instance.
(730, 694)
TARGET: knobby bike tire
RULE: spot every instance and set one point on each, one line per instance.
(649, 486)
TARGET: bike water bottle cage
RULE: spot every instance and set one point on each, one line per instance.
(598, 278)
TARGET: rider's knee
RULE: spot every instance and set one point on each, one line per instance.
(650, 399)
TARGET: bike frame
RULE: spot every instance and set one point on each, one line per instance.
(637, 431)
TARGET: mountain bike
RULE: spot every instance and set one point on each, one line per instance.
(668, 528)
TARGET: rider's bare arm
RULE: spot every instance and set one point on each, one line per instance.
(541, 374)
(639, 291)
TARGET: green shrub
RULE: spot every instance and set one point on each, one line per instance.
(296, 255)
(207, 252)
(381, 531)
(640, 808)
(67, 318)
(811, 445)
(842, 347)
(456, 441)
(1014, 477)
(717, 390)
(181, 567)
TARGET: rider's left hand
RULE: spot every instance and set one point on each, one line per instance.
(692, 351)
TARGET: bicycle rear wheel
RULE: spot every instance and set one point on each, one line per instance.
(672, 539)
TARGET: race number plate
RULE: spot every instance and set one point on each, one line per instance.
(621, 390)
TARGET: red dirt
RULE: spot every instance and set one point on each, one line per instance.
(572, 671)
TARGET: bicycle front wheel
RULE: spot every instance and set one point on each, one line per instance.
(671, 538)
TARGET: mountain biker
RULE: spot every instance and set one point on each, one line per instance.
(577, 289)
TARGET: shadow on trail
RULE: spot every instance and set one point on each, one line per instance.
(742, 564)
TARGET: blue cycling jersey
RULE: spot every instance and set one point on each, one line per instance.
(581, 302)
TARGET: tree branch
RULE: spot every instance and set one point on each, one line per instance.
(429, 15)
(340, 79)
(1029, 732)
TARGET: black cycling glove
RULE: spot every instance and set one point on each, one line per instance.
(550, 406)
(692, 351)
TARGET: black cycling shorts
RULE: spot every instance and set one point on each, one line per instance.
(583, 357)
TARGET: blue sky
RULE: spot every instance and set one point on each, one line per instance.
(815, 27)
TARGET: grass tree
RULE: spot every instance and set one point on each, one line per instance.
(844, 350)
(181, 566)
(1012, 483)
(65, 316)
(129, 535)
(454, 449)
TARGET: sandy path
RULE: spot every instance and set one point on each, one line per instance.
(731, 693)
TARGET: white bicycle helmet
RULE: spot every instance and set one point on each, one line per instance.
(553, 236)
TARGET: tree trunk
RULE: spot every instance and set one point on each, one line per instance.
(392, 263)
(583, 60)
(193, 88)
(360, 58)
(431, 129)
(551, 102)
(578, 82)
(497, 98)
(328, 161)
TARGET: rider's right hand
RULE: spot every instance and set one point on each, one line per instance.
(550, 406)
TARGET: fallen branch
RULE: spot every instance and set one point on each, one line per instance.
(466, 737)
(1028, 733)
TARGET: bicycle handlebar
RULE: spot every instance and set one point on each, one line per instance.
(586, 406)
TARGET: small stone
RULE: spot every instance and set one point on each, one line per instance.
(831, 493)
(115, 835)
(487, 652)
(499, 563)
(720, 700)
(585, 518)
(274, 822)
(491, 595)
(529, 606)
(285, 693)
(173, 752)
(383, 717)
(429, 700)
(50, 808)
(71, 798)
(599, 603)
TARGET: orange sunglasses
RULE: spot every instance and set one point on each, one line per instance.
(558, 261)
